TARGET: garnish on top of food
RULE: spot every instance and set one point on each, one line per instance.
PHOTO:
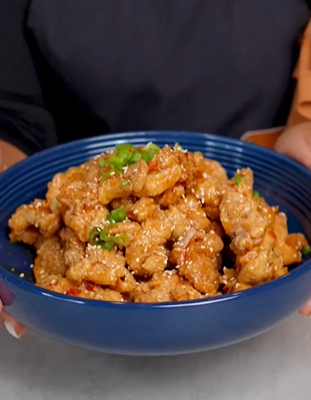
(153, 224)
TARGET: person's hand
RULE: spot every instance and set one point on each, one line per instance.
(14, 327)
(10, 155)
(295, 143)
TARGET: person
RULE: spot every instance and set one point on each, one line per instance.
(76, 68)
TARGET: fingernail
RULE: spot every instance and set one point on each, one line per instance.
(306, 309)
(10, 328)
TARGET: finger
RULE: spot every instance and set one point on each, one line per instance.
(14, 327)
(306, 309)
(295, 143)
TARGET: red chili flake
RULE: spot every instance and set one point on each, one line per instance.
(73, 292)
(153, 165)
(89, 287)
(107, 169)
(131, 214)
(173, 190)
(131, 150)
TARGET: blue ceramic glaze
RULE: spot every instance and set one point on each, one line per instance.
(155, 329)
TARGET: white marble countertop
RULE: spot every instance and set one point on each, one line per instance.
(276, 365)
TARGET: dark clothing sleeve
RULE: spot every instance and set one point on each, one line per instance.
(25, 120)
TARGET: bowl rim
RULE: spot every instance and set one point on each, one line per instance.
(87, 143)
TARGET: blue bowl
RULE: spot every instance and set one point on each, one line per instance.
(155, 329)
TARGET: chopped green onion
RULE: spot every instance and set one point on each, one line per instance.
(122, 240)
(135, 157)
(127, 154)
(149, 154)
(151, 145)
(150, 151)
(102, 163)
(104, 232)
(121, 148)
(94, 235)
(106, 175)
(238, 179)
(124, 183)
(116, 162)
(124, 152)
(107, 246)
(256, 194)
(306, 250)
(119, 214)
(110, 219)
(100, 237)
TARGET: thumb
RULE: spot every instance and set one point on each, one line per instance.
(295, 143)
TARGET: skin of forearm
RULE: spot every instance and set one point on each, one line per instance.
(9, 155)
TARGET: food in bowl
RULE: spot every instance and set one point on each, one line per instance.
(152, 225)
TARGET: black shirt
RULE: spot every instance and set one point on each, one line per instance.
(77, 68)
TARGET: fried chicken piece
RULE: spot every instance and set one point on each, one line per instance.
(73, 247)
(206, 180)
(195, 166)
(72, 178)
(230, 281)
(72, 185)
(184, 291)
(262, 264)
(142, 209)
(136, 177)
(189, 168)
(194, 213)
(102, 267)
(85, 290)
(124, 202)
(180, 223)
(164, 173)
(242, 215)
(128, 228)
(50, 261)
(209, 168)
(75, 194)
(32, 220)
(210, 192)
(82, 219)
(165, 287)
(288, 246)
(171, 196)
(147, 253)
(187, 214)
(199, 261)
